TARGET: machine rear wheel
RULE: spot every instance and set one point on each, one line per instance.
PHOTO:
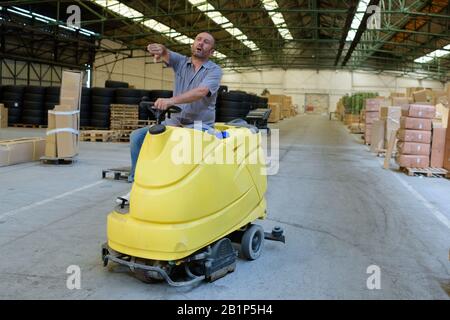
(252, 242)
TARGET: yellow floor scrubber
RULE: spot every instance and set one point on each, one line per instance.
(194, 200)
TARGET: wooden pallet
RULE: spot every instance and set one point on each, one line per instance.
(117, 173)
(98, 135)
(428, 172)
(57, 161)
(24, 125)
(382, 153)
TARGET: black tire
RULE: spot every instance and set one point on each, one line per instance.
(101, 108)
(51, 99)
(238, 96)
(104, 124)
(232, 112)
(155, 94)
(225, 104)
(222, 89)
(85, 92)
(32, 120)
(33, 105)
(52, 91)
(130, 93)
(127, 100)
(32, 113)
(116, 84)
(14, 89)
(12, 96)
(85, 122)
(252, 242)
(102, 92)
(101, 100)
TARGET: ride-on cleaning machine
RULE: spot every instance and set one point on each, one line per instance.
(188, 213)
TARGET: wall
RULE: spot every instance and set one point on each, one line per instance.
(139, 72)
(297, 83)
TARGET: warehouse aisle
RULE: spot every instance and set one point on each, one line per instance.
(341, 211)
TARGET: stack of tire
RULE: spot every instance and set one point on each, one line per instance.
(115, 84)
(33, 105)
(50, 101)
(152, 95)
(85, 107)
(232, 105)
(12, 98)
(101, 99)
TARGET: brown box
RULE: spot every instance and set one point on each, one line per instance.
(377, 135)
(3, 116)
(438, 148)
(415, 123)
(414, 136)
(374, 104)
(447, 153)
(64, 119)
(420, 149)
(372, 116)
(275, 114)
(413, 161)
(420, 111)
(401, 102)
(368, 133)
(425, 95)
(21, 150)
(410, 91)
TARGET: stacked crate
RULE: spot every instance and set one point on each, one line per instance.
(414, 136)
(371, 114)
(124, 119)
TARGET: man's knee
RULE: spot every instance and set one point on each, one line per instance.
(137, 136)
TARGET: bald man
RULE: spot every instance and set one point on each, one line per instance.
(197, 81)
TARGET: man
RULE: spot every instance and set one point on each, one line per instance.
(197, 80)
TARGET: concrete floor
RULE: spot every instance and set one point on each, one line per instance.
(341, 212)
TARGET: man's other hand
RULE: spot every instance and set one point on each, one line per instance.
(163, 103)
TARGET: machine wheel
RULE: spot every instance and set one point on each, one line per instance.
(252, 242)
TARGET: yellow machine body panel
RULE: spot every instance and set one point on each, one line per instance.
(191, 189)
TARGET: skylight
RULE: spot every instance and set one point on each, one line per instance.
(222, 21)
(277, 18)
(125, 11)
(433, 55)
(359, 14)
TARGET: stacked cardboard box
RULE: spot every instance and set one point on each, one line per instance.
(438, 148)
(275, 114)
(391, 117)
(3, 116)
(371, 113)
(64, 120)
(21, 150)
(414, 145)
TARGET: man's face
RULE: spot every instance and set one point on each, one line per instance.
(203, 46)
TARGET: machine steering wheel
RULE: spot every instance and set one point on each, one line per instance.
(159, 114)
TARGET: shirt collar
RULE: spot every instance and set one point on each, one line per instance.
(205, 65)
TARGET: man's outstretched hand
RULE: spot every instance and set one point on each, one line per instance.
(157, 50)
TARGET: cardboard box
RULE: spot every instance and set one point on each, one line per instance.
(442, 114)
(275, 114)
(415, 123)
(425, 95)
(371, 117)
(420, 149)
(21, 150)
(447, 152)
(377, 135)
(374, 104)
(410, 91)
(401, 102)
(438, 148)
(420, 111)
(368, 133)
(3, 116)
(414, 136)
(64, 119)
(413, 161)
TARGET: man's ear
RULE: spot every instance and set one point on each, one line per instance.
(211, 52)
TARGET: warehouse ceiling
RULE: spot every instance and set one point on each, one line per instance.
(404, 36)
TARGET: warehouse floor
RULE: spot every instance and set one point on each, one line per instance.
(341, 212)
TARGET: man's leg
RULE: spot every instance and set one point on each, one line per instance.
(136, 140)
